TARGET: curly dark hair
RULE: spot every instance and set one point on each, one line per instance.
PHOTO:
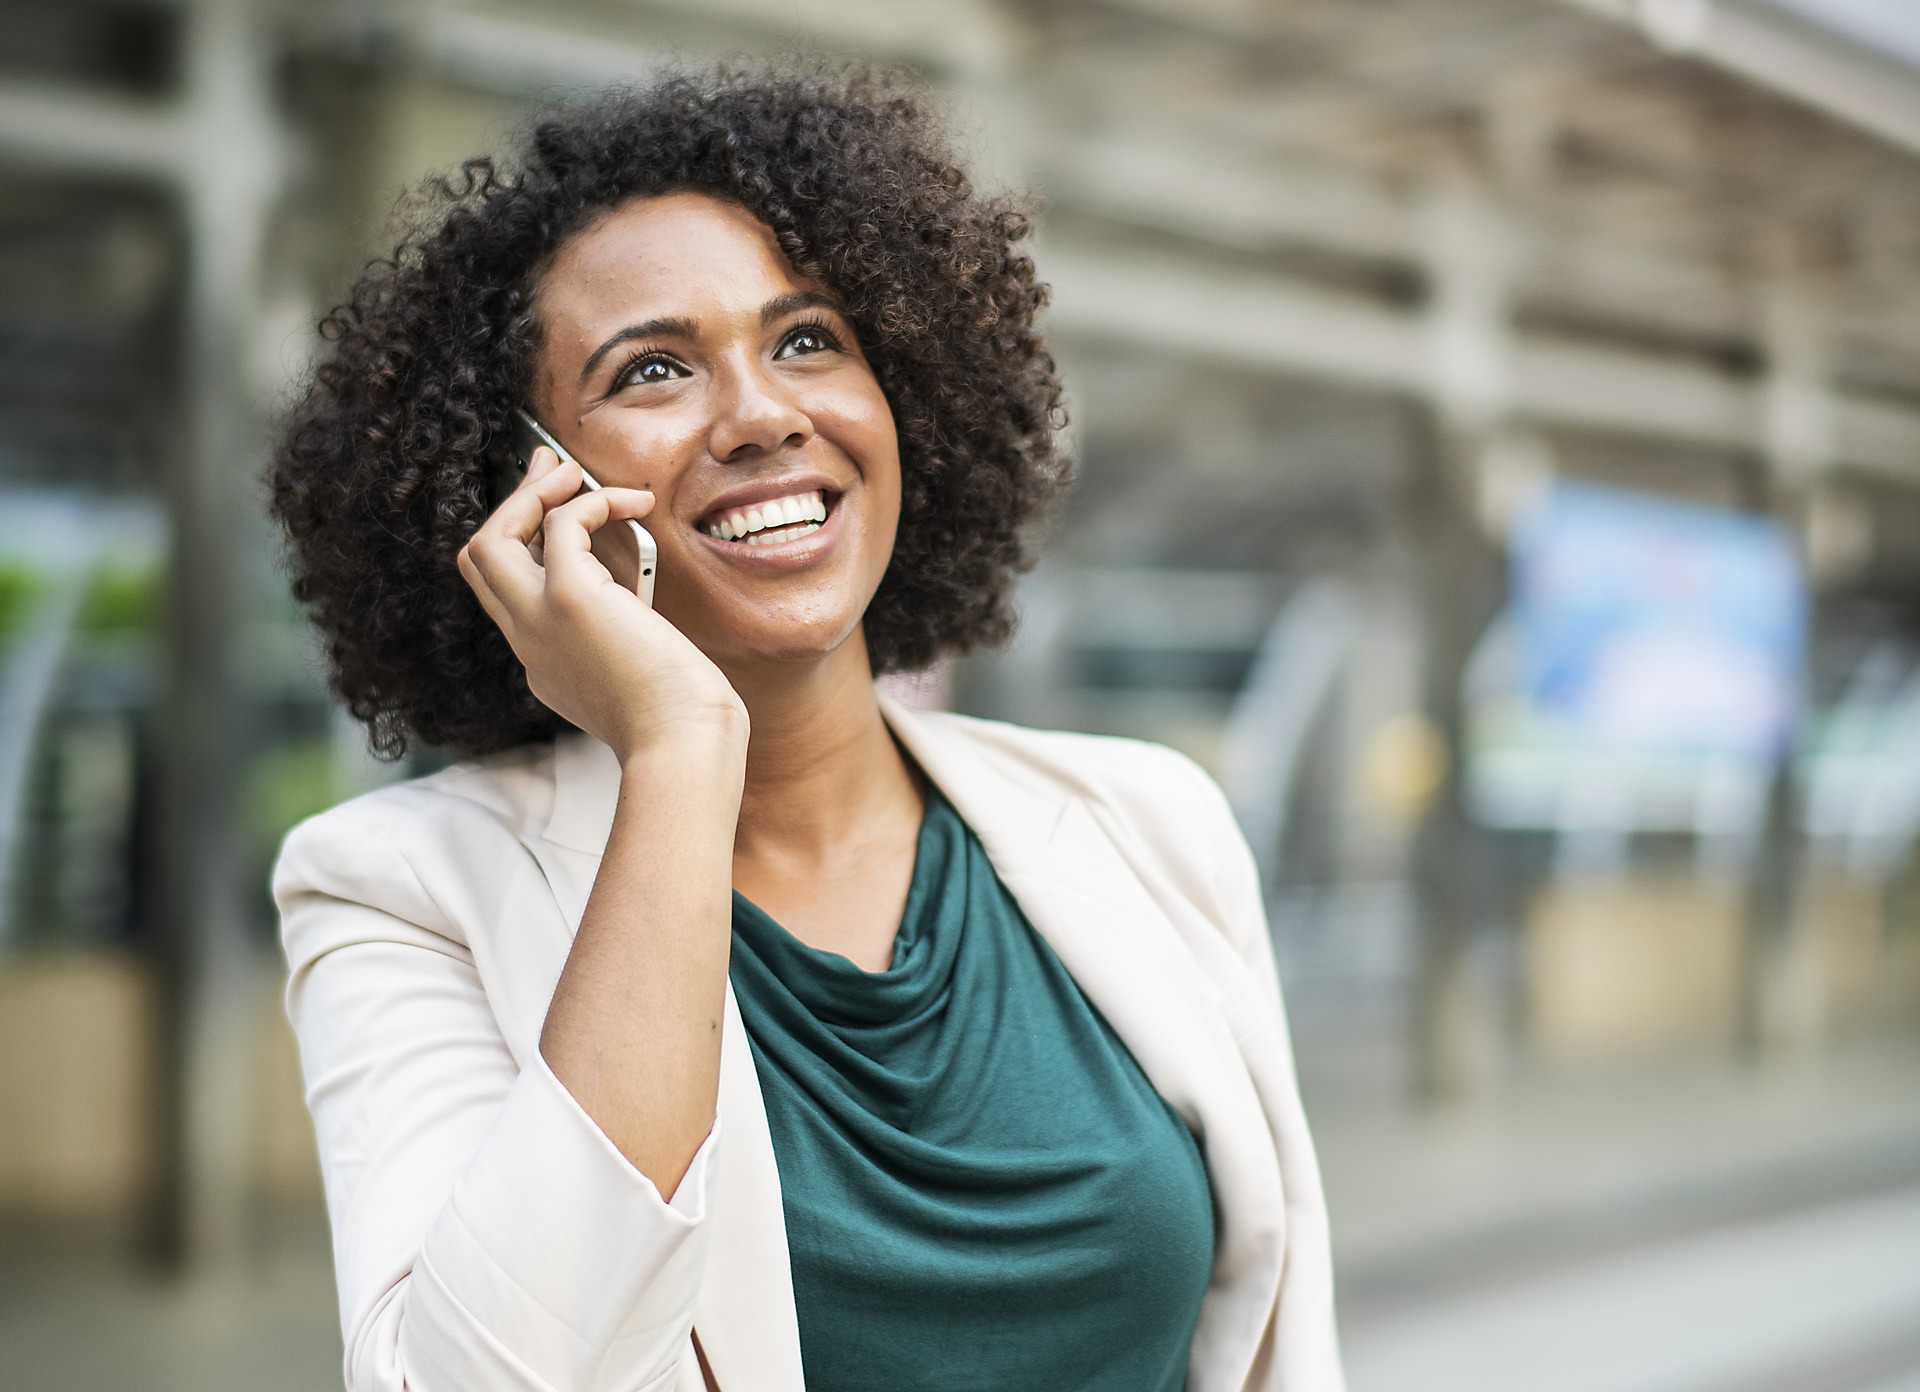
(382, 465)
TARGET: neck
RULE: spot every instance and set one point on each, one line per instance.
(823, 772)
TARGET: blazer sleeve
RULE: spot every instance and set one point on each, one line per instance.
(488, 1236)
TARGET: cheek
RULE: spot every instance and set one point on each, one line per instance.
(878, 413)
(850, 397)
(650, 451)
(863, 420)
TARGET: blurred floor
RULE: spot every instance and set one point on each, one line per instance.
(1563, 1162)
(80, 1318)
(1687, 1228)
(1820, 1299)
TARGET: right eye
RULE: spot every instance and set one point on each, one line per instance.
(648, 367)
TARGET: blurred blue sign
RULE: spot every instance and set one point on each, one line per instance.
(1655, 626)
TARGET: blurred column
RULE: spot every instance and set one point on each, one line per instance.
(1798, 443)
(210, 968)
(1455, 579)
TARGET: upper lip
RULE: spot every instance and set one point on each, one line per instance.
(765, 490)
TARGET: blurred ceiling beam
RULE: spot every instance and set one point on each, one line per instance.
(1275, 205)
(93, 132)
(1274, 324)
(579, 47)
(1154, 184)
(513, 55)
(1784, 53)
(942, 35)
(1270, 323)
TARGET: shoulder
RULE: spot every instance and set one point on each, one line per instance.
(1078, 755)
(1158, 798)
(380, 846)
(1166, 813)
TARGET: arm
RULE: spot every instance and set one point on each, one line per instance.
(634, 1027)
(489, 1233)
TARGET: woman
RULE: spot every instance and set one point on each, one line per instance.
(720, 1020)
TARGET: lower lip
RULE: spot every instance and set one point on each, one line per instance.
(778, 558)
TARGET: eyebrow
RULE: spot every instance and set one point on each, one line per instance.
(774, 309)
(652, 328)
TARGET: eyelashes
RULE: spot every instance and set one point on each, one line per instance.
(644, 355)
(640, 358)
(820, 329)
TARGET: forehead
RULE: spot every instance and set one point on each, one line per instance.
(689, 255)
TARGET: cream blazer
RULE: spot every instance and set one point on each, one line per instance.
(489, 1237)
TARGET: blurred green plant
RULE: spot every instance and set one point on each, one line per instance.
(121, 596)
(287, 784)
(124, 595)
(19, 585)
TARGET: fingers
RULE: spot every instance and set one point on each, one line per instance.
(540, 534)
(547, 483)
(570, 527)
(489, 601)
(504, 550)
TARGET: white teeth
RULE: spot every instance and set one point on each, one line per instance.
(779, 512)
(761, 539)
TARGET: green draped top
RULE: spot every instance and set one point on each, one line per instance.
(982, 1189)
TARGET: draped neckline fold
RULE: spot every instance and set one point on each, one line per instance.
(981, 1186)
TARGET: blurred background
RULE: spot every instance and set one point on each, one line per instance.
(1499, 434)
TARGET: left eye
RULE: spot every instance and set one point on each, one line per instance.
(808, 341)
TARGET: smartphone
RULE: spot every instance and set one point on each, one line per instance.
(632, 566)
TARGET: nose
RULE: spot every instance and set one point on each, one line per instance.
(756, 412)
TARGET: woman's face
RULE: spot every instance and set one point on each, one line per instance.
(682, 354)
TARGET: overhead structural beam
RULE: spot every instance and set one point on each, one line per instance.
(531, 55)
(1276, 324)
(1269, 323)
(91, 133)
(1779, 51)
(1150, 184)
(514, 56)
(1144, 183)
(943, 35)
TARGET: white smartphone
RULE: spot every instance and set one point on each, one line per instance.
(633, 568)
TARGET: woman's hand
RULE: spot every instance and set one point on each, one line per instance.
(594, 653)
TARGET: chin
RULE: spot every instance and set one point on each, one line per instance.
(789, 645)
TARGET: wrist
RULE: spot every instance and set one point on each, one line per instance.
(708, 739)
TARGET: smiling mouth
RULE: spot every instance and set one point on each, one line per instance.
(774, 522)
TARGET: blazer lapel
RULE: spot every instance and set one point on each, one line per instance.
(1129, 956)
(745, 1314)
